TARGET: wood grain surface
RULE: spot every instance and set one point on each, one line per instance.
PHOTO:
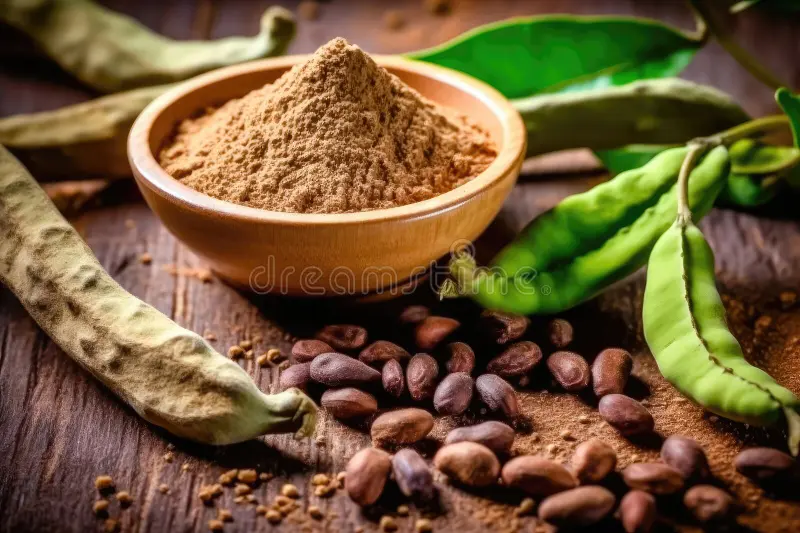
(59, 428)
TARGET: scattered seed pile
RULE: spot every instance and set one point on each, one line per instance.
(336, 134)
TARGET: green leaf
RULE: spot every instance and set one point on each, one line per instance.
(528, 56)
(790, 103)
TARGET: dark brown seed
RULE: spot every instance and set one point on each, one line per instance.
(338, 370)
(610, 371)
(496, 436)
(366, 475)
(454, 394)
(637, 511)
(421, 375)
(349, 403)
(593, 461)
(305, 350)
(392, 377)
(413, 476)
(579, 507)
(468, 463)
(626, 415)
(505, 327)
(764, 464)
(537, 476)
(560, 333)
(655, 478)
(414, 314)
(517, 360)
(462, 358)
(403, 426)
(296, 376)
(433, 330)
(379, 352)
(570, 370)
(686, 456)
(497, 394)
(708, 503)
(344, 336)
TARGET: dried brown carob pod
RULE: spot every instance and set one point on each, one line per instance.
(379, 352)
(305, 350)
(655, 478)
(339, 370)
(421, 374)
(580, 507)
(413, 476)
(497, 394)
(366, 475)
(765, 464)
(537, 476)
(610, 371)
(504, 327)
(414, 314)
(349, 403)
(468, 463)
(454, 394)
(495, 435)
(708, 503)
(637, 512)
(433, 330)
(517, 360)
(345, 337)
(297, 376)
(626, 415)
(560, 333)
(394, 382)
(403, 426)
(461, 358)
(570, 370)
(593, 460)
(686, 456)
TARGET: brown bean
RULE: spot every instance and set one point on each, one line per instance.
(366, 475)
(338, 370)
(537, 476)
(343, 336)
(570, 370)
(655, 478)
(403, 426)
(560, 333)
(764, 464)
(686, 456)
(421, 374)
(433, 330)
(637, 511)
(626, 415)
(394, 382)
(379, 352)
(708, 503)
(504, 327)
(462, 358)
(454, 394)
(496, 436)
(610, 371)
(517, 360)
(593, 460)
(468, 463)
(414, 314)
(305, 350)
(349, 403)
(297, 375)
(413, 476)
(579, 507)
(497, 394)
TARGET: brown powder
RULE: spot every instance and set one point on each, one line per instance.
(336, 134)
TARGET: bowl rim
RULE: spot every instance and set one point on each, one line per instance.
(147, 168)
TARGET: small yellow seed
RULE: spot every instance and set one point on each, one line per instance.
(323, 491)
(246, 345)
(273, 354)
(320, 479)
(247, 476)
(124, 499)
(274, 517)
(235, 352)
(402, 510)
(146, 258)
(104, 483)
(262, 360)
(340, 477)
(265, 476)
(290, 491)
(169, 457)
(100, 507)
(225, 515)
(387, 523)
(423, 525)
(110, 526)
(216, 525)
(314, 512)
(163, 488)
(262, 510)
(525, 507)
(283, 501)
(242, 489)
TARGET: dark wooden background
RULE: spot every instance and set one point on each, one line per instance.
(59, 428)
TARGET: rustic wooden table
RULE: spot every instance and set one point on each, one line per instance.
(59, 428)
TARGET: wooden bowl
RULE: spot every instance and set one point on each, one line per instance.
(384, 251)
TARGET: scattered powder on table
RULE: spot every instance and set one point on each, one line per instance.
(336, 134)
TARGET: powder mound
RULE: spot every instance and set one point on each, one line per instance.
(336, 134)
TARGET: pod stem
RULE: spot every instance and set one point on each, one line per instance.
(753, 128)
(793, 424)
(696, 150)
